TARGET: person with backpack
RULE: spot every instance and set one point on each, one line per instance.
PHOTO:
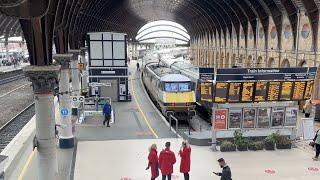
(185, 153)
(166, 161)
(153, 162)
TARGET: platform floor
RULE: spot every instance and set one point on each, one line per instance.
(113, 160)
(12, 68)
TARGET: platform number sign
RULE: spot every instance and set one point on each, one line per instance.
(64, 111)
(77, 98)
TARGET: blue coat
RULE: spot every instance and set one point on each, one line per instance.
(107, 109)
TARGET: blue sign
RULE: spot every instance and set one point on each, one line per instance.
(64, 112)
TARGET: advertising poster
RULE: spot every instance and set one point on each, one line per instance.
(277, 117)
(249, 117)
(263, 117)
(220, 121)
(291, 116)
(235, 117)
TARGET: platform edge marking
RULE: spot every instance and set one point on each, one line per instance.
(26, 165)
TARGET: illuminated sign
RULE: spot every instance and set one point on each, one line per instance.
(221, 92)
(206, 92)
(298, 90)
(234, 92)
(309, 89)
(273, 91)
(286, 91)
(261, 91)
(247, 91)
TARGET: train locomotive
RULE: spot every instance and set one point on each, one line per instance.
(172, 92)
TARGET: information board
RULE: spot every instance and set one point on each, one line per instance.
(309, 89)
(234, 92)
(247, 91)
(298, 90)
(261, 91)
(206, 91)
(221, 92)
(286, 90)
(273, 91)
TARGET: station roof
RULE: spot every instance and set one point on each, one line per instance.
(198, 16)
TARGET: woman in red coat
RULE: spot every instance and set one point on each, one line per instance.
(153, 162)
(185, 153)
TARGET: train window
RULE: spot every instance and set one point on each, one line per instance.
(177, 87)
(172, 87)
(183, 87)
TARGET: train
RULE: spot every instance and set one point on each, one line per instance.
(172, 92)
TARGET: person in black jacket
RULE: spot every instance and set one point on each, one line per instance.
(226, 171)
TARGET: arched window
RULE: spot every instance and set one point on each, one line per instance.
(285, 63)
(305, 31)
(273, 32)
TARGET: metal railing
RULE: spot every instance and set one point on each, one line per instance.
(171, 117)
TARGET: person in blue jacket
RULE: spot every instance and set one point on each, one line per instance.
(107, 113)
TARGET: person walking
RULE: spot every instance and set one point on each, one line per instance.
(138, 66)
(153, 162)
(316, 141)
(226, 171)
(166, 161)
(185, 153)
(107, 113)
(307, 108)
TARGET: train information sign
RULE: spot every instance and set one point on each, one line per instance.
(221, 92)
(309, 89)
(261, 91)
(234, 92)
(273, 91)
(286, 90)
(247, 91)
(206, 91)
(298, 90)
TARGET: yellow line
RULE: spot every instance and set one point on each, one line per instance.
(26, 165)
(143, 115)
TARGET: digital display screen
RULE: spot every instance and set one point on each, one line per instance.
(309, 89)
(286, 91)
(247, 91)
(221, 92)
(273, 91)
(298, 90)
(206, 92)
(261, 91)
(234, 92)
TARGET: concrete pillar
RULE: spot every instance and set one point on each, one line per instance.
(44, 80)
(84, 79)
(75, 72)
(6, 43)
(66, 138)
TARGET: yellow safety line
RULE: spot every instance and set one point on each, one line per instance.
(26, 165)
(143, 115)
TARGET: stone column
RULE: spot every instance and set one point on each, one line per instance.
(66, 138)
(84, 79)
(75, 72)
(44, 80)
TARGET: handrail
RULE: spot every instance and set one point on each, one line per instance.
(177, 123)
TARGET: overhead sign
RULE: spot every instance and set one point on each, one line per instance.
(77, 98)
(96, 84)
(206, 74)
(243, 74)
(206, 91)
(64, 111)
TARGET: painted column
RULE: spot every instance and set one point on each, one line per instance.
(75, 72)
(66, 138)
(44, 80)
(84, 79)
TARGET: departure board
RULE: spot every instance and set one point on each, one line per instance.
(298, 90)
(206, 91)
(247, 91)
(286, 90)
(221, 92)
(234, 92)
(274, 91)
(309, 89)
(261, 91)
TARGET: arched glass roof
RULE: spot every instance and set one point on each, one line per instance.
(162, 31)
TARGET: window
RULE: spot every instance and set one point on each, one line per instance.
(183, 87)
(177, 87)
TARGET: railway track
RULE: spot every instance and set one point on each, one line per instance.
(11, 79)
(9, 130)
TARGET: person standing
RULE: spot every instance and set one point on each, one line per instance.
(138, 66)
(226, 171)
(185, 153)
(153, 162)
(316, 141)
(307, 108)
(166, 161)
(107, 113)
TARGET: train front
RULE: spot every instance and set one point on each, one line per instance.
(178, 96)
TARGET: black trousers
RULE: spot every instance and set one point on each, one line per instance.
(317, 150)
(168, 176)
(186, 176)
(306, 115)
(106, 119)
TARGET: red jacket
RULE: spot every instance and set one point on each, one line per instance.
(153, 163)
(166, 161)
(185, 159)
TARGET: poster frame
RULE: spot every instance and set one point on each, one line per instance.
(254, 120)
(226, 111)
(285, 120)
(229, 119)
(268, 115)
(283, 117)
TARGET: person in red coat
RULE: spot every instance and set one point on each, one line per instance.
(166, 162)
(153, 162)
(185, 153)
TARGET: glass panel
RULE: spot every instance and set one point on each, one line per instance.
(96, 50)
(183, 87)
(172, 87)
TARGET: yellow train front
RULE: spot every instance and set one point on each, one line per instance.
(173, 93)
